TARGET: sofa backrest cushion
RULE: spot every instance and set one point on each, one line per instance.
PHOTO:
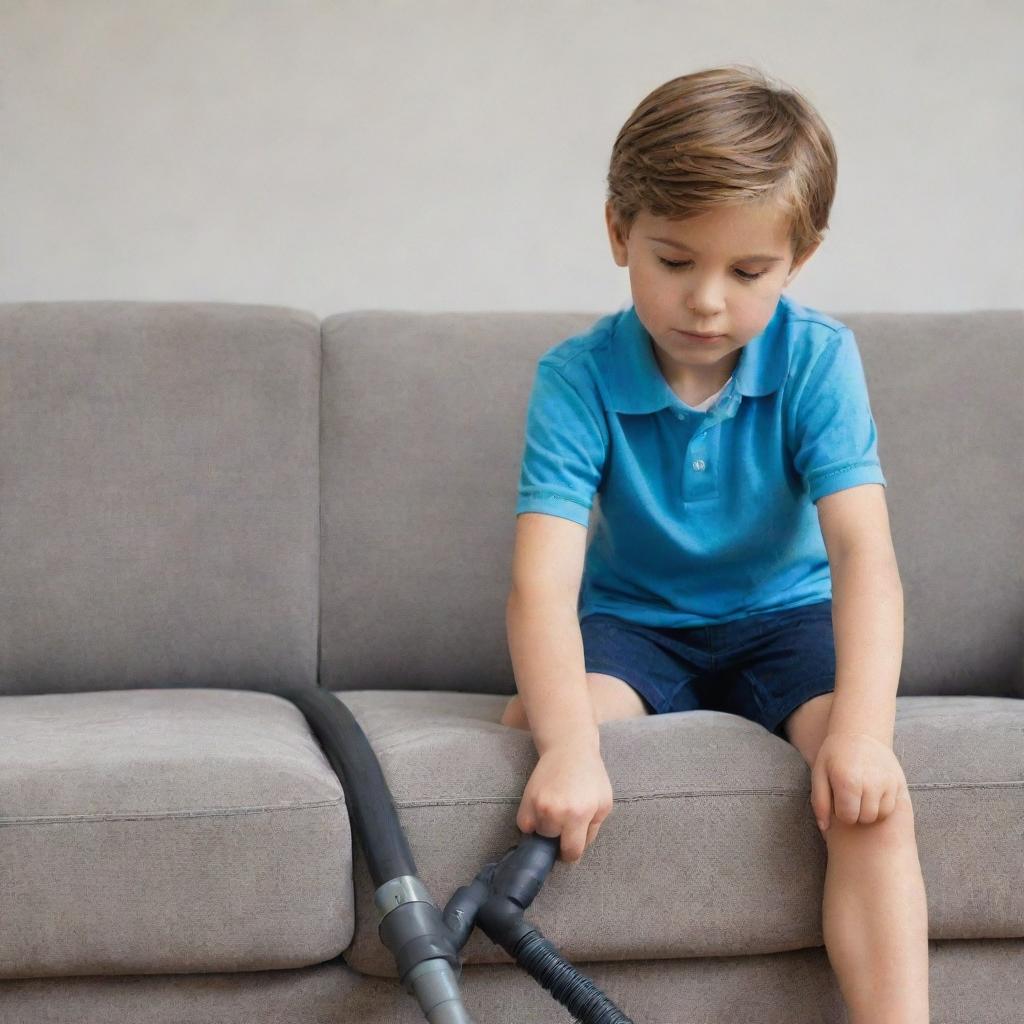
(422, 436)
(158, 495)
(947, 392)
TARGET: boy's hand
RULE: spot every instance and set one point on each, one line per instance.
(569, 794)
(861, 774)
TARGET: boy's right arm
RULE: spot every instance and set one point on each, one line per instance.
(569, 793)
(544, 637)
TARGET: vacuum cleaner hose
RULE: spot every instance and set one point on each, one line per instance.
(410, 924)
(424, 942)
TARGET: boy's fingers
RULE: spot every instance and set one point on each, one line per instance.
(573, 839)
(577, 835)
(869, 806)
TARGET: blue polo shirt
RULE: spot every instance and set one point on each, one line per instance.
(704, 517)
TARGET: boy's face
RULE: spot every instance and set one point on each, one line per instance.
(719, 287)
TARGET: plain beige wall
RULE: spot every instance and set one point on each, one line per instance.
(452, 155)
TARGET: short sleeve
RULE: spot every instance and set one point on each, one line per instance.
(563, 452)
(836, 441)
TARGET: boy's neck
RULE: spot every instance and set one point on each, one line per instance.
(693, 388)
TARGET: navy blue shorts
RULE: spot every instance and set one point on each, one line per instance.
(762, 667)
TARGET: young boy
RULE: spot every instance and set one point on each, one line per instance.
(728, 432)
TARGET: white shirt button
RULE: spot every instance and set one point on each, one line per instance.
(680, 415)
(698, 465)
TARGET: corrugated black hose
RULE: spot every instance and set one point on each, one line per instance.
(411, 925)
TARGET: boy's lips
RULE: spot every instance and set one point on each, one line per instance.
(700, 337)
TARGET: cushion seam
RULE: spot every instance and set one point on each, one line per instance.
(704, 793)
(216, 812)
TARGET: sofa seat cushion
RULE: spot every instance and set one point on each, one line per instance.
(164, 831)
(711, 848)
(970, 982)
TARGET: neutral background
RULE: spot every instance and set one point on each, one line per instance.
(451, 154)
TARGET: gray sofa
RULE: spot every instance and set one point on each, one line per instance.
(206, 495)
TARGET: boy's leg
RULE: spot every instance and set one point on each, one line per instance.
(874, 910)
(612, 697)
(875, 918)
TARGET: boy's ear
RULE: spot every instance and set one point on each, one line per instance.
(619, 252)
(609, 219)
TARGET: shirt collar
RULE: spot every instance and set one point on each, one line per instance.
(637, 384)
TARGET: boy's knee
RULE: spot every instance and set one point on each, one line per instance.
(891, 833)
(614, 699)
(514, 716)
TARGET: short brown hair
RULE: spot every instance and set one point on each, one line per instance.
(721, 136)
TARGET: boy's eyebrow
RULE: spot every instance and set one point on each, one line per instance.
(754, 256)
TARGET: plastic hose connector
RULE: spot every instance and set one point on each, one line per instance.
(412, 927)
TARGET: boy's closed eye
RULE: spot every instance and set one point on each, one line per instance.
(743, 275)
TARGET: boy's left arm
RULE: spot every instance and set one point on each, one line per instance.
(856, 766)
